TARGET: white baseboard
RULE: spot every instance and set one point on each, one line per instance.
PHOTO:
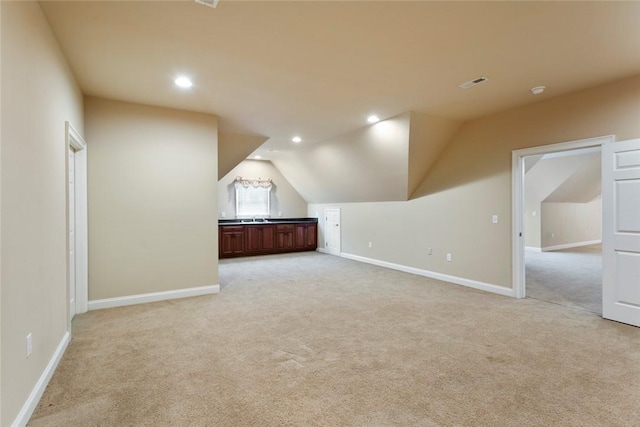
(152, 297)
(501, 290)
(532, 249)
(38, 390)
(322, 250)
(571, 245)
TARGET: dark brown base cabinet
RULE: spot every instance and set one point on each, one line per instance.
(284, 239)
(306, 236)
(263, 239)
(259, 238)
(231, 241)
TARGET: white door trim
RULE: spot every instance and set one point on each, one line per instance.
(77, 143)
(517, 198)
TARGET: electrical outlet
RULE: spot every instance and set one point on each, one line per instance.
(29, 345)
(449, 257)
(430, 252)
(223, 214)
(280, 214)
(495, 219)
(370, 244)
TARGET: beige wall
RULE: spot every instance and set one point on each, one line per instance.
(471, 181)
(543, 179)
(152, 175)
(367, 164)
(284, 198)
(39, 94)
(571, 223)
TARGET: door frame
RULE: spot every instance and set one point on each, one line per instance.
(517, 198)
(77, 143)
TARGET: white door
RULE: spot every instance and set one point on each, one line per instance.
(621, 231)
(332, 231)
(72, 233)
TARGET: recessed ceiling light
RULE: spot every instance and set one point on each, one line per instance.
(538, 90)
(296, 139)
(183, 82)
(257, 157)
(373, 119)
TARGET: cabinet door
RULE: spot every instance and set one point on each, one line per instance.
(301, 236)
(268, 239)
(238, 242)
(284, 237)
(231, 241)
(252, 239)
(312, 236)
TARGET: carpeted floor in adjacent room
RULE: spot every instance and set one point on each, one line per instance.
(315, 340)
(571, 277)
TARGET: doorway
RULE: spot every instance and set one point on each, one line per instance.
(77, 226)
(519, 167)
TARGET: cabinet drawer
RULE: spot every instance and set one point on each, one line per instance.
(231, 228)
(284, 227)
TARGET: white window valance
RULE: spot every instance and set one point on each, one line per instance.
(253, 196)
(252, 182)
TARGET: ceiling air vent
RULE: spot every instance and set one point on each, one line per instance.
(210, 3)
(467, 85)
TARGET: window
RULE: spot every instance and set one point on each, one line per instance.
(253, 197)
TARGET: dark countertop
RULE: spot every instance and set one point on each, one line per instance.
(236, 221)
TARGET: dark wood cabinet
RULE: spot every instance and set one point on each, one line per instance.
(231, 241)
(269, 238)
(259, 238)
(306, 236)
(284, 237)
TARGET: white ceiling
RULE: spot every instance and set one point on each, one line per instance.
(318, 69)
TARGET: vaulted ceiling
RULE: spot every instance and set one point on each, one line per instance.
(317, 69)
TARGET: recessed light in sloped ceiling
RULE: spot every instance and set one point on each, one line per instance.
(538, 90)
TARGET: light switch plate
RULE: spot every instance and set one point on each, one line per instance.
(495, 219)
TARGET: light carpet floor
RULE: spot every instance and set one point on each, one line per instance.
(315, 340)
(570, 277)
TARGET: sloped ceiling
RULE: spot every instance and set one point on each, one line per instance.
(530, 162)
(317, 69)
(428, 137)
(366, 165)
(583, 185)
(564, 178)
(233, 148)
